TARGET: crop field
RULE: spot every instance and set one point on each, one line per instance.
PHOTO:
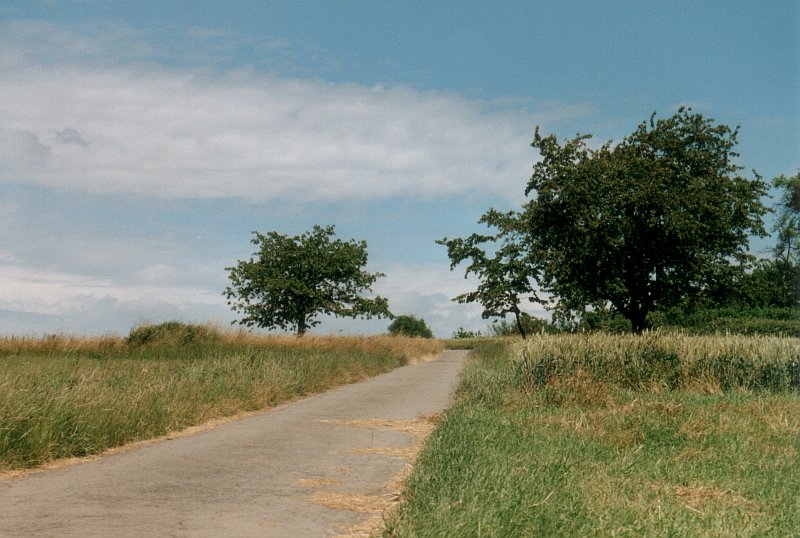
(659, 435)
(62, 396)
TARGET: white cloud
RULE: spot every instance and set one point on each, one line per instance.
(77, 116)
(54, 301)
(156, 273)
(173, 135)
(53, 292)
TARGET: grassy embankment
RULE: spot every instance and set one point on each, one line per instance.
(62, 396)
(584, 435)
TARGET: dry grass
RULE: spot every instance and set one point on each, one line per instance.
(412, 349)
(379, 505)
(366, 528)
(699, 498)
(61, 344)
(62, 396)
(318, 482)
(419, 428)
(661, 361)
(353, 502)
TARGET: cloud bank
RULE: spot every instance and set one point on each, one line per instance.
(106, 112)
(153, 132)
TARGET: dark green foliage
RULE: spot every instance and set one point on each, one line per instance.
(291, 280)
(772, 283)
(645, 223)
(733, 320)
(410, 326)
(530, 325)
(506, 277)
(462, 334)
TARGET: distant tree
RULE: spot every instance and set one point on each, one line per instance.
(461, 333)
(787, 224)
(775, 282)
(642, 224)
(410, 326)
(505, 275)
(291, 280)
(772, 284)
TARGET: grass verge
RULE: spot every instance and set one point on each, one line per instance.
(63, 397)
(582, 454)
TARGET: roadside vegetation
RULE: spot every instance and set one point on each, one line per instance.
(62, 396)
(614, 435)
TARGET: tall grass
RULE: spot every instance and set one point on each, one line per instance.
(662, 360)
(580, 456)
(63, 396)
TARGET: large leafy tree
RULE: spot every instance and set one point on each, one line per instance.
(644, 223)
(289, 281)
(501, 263)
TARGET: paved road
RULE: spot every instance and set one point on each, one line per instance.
(276, 473)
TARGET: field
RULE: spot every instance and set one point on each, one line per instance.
(62, 396)
(583, 435)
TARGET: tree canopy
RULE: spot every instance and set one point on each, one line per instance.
(643, 223)
(506, 274)
(410, 326)
(290, 280)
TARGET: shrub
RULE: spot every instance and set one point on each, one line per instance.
(530, 324)
(410, 326)
(172, 334)
(462, 334)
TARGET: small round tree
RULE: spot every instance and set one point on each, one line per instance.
(410, 326)
(291, 280)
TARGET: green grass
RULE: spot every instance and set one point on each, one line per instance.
(63, 397)
(582, 456)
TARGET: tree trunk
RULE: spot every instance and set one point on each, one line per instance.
(302, 327)
(638, 319)
(519, 324)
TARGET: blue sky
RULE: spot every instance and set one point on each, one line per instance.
(142, 142)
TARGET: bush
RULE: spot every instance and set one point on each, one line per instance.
(171, 334)
(410, 326)
(530, 324)
(462, 334)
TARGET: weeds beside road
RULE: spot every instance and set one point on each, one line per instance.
(63, 396)
(565, 435)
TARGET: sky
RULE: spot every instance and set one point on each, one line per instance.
(141, 143)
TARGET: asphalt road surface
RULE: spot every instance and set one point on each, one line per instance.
(321, 466)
